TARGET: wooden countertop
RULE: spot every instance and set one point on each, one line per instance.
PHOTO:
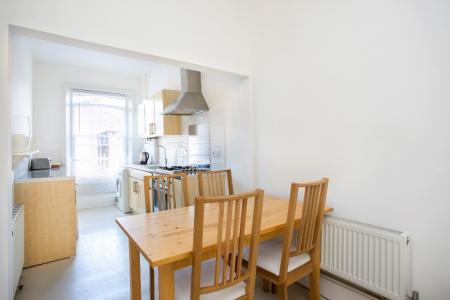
(45, 175)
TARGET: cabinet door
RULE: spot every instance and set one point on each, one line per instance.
(149, 113)
(132, 187)
(141, 196)
(141, 121)
(159, 118)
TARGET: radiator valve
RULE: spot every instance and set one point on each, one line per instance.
(415, 296)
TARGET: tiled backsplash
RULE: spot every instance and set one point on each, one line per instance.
(177, 150)
(178, 146)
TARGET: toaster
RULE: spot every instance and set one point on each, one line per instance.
(40, 164)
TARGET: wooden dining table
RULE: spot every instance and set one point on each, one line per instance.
(165, 238)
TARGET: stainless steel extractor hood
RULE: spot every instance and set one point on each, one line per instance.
(191, 100)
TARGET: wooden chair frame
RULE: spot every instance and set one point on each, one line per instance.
(230, 248)
(214, 186)
(167, 183)
(308, 240)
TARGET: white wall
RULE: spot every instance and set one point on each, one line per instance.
(358, 91)
(163, 77)
(51, 82)
(199, 32)
(230, 116)
(21, 83)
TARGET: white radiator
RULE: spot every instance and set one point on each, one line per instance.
(18, 242)
(374, 258)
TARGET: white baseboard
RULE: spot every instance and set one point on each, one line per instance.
(96, 200)
(334, 289)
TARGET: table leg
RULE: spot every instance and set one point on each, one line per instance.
(166, 282)
(135, 272)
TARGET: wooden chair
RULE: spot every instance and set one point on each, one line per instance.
(165, 189)
(212, 183)
(282, 262)
(223, 277)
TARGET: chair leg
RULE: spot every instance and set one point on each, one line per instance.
(314, 284)
(152, 283)
(266, 284)
(282, 292)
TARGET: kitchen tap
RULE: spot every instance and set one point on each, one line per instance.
(165, 154)
(185, 154)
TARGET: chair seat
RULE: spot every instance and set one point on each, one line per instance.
(183, 284)
(269, 257)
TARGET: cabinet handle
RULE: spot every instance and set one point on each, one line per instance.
(150, 128)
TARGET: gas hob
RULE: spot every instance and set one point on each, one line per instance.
(181, 169)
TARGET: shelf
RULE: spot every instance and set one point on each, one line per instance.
(25, 153)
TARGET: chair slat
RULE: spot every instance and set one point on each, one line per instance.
(227, 241)
(234, 243)
(241, 237)
(219, 245)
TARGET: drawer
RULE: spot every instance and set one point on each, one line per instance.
(138, 174)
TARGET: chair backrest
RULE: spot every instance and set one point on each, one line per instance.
(213, 183)
(231, 227)
(309, 231)
(166, 190)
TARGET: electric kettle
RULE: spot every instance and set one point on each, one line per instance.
(143, 157)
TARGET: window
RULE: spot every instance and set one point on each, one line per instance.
(98, 133)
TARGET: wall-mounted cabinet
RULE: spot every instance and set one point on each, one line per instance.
(151, 121)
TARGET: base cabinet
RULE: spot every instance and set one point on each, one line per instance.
(50, 220)
(136, 195)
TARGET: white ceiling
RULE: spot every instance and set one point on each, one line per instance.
(70, 55)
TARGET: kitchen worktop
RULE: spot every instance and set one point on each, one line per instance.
(145, 168)
(43, 175)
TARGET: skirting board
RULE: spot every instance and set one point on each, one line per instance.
(334, 289)
(95, 200)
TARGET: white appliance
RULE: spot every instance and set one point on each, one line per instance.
(18, 243)
(122, 191)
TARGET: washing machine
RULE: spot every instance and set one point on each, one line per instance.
(122, 191)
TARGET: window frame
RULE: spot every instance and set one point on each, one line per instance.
(70, 137)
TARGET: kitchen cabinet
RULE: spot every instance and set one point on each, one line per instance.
(146, 119)
(50, 219)
(151, 121)
(136, 192)
(133, 195)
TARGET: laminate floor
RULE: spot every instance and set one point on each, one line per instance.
(100, 269)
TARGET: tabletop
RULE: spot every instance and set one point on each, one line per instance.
(167, 236)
